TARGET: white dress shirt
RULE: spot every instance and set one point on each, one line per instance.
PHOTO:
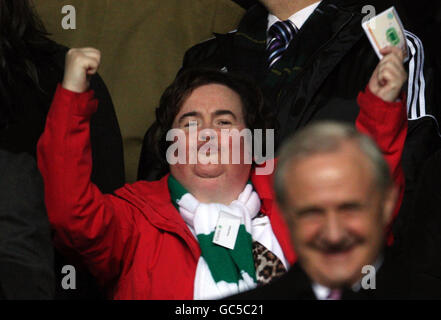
(299, 18)
(322, 292)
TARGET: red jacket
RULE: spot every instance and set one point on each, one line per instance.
(135, 242)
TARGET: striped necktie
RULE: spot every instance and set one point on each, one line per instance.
(280, 34)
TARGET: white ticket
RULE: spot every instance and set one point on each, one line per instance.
(386, 30)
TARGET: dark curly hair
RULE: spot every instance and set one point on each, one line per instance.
(256, 113)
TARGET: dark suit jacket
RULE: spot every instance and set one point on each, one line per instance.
(392, 282)
(424, 241)
(26, 251)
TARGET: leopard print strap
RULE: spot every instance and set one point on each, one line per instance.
(268, 266)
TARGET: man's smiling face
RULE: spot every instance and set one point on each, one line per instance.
(338, 216)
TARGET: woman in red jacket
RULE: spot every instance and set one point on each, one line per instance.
(165, 239)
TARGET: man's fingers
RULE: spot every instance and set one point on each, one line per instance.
(390, 49)
(396, 70)
(393, 51)
(392, 63)
(91, 71)
(388, 70)
(90, 51)
(92, 59)
(89, 63)
(389, 76)
(392, 57)
(80, 65)
(392, 66)
(79, 53)
(92, 54)
(389, 81)
(87, 60)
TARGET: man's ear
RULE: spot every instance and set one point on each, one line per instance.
(390, 203)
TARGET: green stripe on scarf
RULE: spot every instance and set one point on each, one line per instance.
(177, 191)
(224, 264)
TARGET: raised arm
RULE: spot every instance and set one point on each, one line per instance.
(383, 113)
(97, 226)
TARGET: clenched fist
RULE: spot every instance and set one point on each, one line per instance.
(389, 76)
(81, 64)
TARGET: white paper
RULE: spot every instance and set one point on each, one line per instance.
(227, 229)
(385, 30)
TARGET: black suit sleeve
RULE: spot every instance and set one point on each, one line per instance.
(106, 140)
(26, 251)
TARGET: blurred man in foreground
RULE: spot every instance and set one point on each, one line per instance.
(337, 195)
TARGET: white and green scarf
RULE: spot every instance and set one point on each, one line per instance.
(220, 271)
